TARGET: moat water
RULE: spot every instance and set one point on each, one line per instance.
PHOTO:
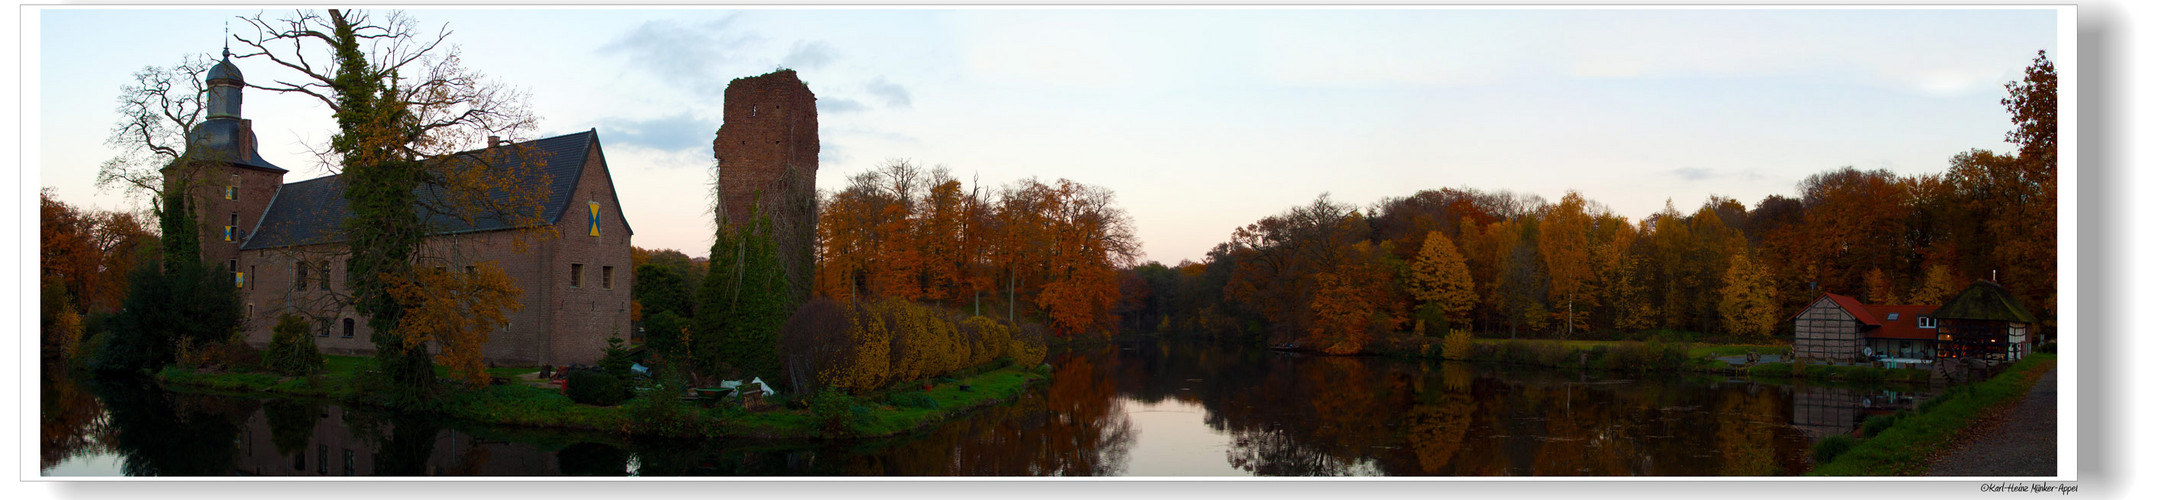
(1133, 408)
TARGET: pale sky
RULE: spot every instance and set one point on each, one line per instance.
(1200, 120)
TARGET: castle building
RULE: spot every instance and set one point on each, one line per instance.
(553, 223)
(766, 152)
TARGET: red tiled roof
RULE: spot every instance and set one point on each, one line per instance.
(1849, 305)
(1905, 326)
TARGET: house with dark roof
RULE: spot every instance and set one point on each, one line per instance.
(545, 211)
(1984, 323)
(1836, 328)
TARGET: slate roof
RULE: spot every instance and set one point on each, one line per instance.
(313, 211)
(217, 139)
(1905, 326)
(1985, 301)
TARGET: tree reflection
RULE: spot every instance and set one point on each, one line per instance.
(69, 418)
(163, 434)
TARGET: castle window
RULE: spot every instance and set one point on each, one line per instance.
(251, 310)
(232, 192)
(250, 270)
(606, 277)
(299, 276)
(232, 220)
(753, 110)
(238, 280)
(324, 282)
(348, 328)
(576, 275)
(322, 459)
(325, 330)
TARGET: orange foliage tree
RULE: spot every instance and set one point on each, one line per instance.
(904, 232)
(455, 311)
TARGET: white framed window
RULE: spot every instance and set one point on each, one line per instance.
(1925, 322)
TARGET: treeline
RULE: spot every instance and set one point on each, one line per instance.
(1331, 276)
(1027, 251)
(84, 259)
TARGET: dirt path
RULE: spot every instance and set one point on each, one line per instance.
(2018, 441)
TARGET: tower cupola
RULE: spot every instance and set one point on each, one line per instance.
(225, 83)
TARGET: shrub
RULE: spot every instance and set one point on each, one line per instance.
(837, 414)
(661, 409)
(292, 351)
(1877, 423)
(1827, 450)
(596, 388)
(232, 355)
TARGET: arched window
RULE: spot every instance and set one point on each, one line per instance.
(348, 328)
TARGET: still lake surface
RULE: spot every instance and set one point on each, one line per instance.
(1132, 408)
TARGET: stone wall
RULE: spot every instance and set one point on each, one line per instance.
(766, 152)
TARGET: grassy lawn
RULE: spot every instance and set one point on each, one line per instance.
(1903, 449)
(525, 405)
(1719, 350)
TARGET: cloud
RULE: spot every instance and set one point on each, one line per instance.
(894, 95)
(1693, 173)
(684, 54)
(679, 132)
(809, 55)
(839, 105)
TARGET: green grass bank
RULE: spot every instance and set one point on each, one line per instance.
(1903, 447)
(825, 416)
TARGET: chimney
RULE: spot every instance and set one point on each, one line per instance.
(494, 141)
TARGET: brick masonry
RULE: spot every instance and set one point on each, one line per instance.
(559, 323)
(766, 150)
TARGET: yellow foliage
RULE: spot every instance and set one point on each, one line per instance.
(895, 341)
(1457, 344)
(455, 310)
(1748, 304)
(1440, 276)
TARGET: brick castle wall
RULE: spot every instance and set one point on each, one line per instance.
(559, 324)
(767, 157)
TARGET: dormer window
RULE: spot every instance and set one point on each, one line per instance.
(1925, 322)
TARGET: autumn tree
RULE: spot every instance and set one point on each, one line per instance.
(1439, 278)
(455, 310)
(1748, 303)
(1562, 241)
(1937, 287)
(1879, 289)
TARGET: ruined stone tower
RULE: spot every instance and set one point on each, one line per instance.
(767, 160)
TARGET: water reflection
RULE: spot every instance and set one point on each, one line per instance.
(1134, 408)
